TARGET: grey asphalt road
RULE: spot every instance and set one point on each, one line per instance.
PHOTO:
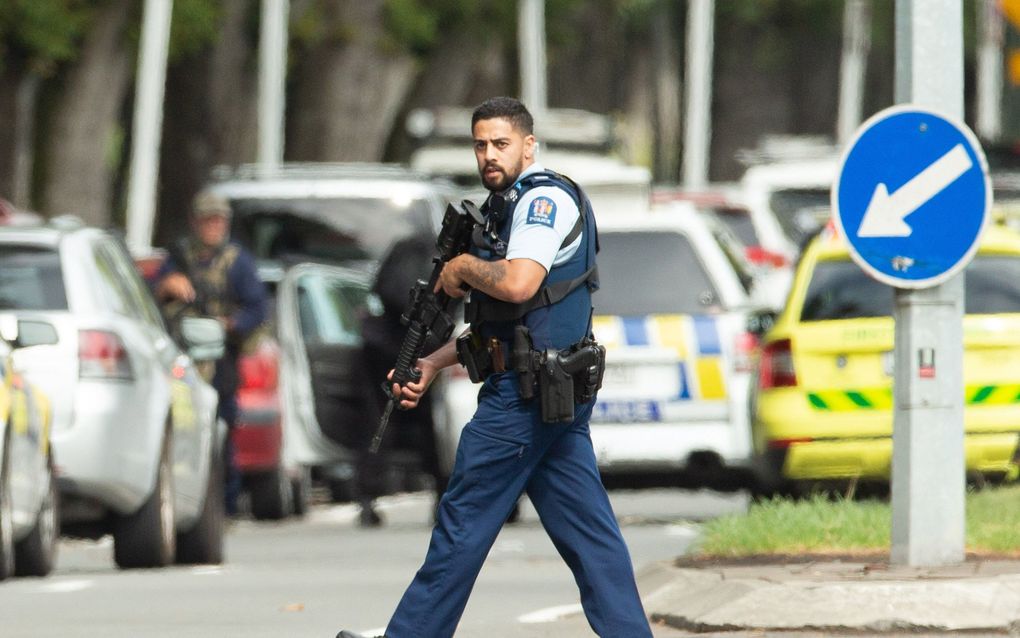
(310, 577)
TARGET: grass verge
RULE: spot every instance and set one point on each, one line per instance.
(833, 525)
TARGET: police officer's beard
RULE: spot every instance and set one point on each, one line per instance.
(503, 179)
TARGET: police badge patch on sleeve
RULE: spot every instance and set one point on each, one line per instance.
(542, 211)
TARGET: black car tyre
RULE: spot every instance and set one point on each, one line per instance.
(203, 543)
(6, 515)
(36, 554)
(271, 495)
(302, 491)
(148, 537)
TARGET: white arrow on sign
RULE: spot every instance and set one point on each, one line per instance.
(885, 214)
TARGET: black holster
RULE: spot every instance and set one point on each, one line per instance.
(564, 377)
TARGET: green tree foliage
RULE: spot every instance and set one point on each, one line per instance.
(416, 25)
(195, 25)
(772, 24)
(42, 34)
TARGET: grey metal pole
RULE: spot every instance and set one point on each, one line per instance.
(853, 63)
(531, 53)
(147, 125)
(698, 88)
(272, 83)
(991, 32)
(928, 473)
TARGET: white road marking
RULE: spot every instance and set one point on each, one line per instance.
(207, 570)
(550, 614)
(63, 586)
(681, 529)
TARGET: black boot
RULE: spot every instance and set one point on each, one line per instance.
(369, 517)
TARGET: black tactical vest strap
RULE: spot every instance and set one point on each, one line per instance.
(496, 310)
(502, 311)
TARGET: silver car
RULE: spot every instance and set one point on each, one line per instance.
(135, 433)
(28, 516)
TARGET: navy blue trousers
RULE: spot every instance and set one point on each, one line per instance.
(506, 450)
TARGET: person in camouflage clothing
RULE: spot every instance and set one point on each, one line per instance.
(206, 274)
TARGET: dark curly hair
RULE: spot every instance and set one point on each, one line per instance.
(509, 108)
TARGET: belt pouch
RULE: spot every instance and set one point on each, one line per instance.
(474, 357)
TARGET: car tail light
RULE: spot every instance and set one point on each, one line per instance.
(762, 257)
(782, 444)
(259, 370)
(101, 355)
(745, 349)
(776, 369)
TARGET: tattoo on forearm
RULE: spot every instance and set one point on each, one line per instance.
(486, 274)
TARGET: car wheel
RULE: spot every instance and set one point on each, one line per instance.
(148, 537)
(301, 488)
(271, 495)
(36, 554)
(6, 517)
(203, 543)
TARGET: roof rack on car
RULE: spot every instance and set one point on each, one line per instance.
(788, 148)
(315, 170)
(568, 128)
(66, 222)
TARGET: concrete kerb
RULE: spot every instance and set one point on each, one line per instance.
(835, 596)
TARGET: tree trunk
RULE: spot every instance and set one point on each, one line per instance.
(80, 142)
(461, 71)
(349, 90)
(210, 118)
(10, 79)
(667, 95)
(636, 135)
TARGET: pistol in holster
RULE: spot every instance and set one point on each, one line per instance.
(564, 377)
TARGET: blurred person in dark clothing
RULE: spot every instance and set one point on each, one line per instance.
(208, 275)
(406, 261)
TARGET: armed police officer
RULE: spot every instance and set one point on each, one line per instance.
(209, 275)
(531, 278)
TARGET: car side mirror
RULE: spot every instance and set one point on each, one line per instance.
(204, 338)
(760, 321)
(25, 333)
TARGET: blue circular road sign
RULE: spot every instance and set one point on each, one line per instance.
(912, 196)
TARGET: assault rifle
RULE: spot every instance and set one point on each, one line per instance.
(428, 312)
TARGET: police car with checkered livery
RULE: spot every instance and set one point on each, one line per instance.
(822, 401)
(674, 300)
(672, 309)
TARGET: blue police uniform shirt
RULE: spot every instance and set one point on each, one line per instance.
(542, 219)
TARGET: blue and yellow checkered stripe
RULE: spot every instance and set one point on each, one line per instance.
(694, 338)
(882, 398)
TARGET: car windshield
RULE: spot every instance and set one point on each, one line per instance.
(738, 221)
(652, 272)
(30, 279)
(841, 290)
(801, 211)
(333, 230)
